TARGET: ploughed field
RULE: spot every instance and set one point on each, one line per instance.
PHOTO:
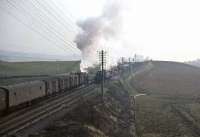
(171, 107)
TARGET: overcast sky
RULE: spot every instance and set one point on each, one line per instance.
(160, 29)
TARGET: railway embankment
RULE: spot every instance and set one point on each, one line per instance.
(114, 117)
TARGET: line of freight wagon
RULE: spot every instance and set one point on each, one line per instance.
(16, 95)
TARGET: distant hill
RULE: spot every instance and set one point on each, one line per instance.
(169, 78)
(194, 63)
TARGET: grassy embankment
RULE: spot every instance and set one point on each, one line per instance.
(112, 118)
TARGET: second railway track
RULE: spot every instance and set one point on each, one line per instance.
(18, 122)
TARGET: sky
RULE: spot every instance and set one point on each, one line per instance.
(33, 30)
(161, 30)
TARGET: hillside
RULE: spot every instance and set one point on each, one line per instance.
(171, 106)
(169, 78)
(194, 63)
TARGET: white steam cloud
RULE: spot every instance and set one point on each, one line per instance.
(100, 32)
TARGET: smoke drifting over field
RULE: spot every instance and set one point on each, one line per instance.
(97, 31)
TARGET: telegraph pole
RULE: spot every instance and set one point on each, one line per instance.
(122, 60)
(102, 59)
(129, 62)
(135, 58)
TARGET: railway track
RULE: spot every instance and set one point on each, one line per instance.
(45, 100)
(14, 123)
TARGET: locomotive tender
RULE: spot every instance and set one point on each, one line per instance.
(17, 94)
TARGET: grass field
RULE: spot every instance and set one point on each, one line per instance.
(9, 69)
(38, 68)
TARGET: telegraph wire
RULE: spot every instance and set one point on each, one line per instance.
(71, 18)
(33, 17)
(61, 10)
(53, 20)
(63, 13)
(33, 29)
(50, 13)
(14, 6)
(18, 9)
(55, 31)
(52, 26)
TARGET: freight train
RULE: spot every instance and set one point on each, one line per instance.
(23, 93)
